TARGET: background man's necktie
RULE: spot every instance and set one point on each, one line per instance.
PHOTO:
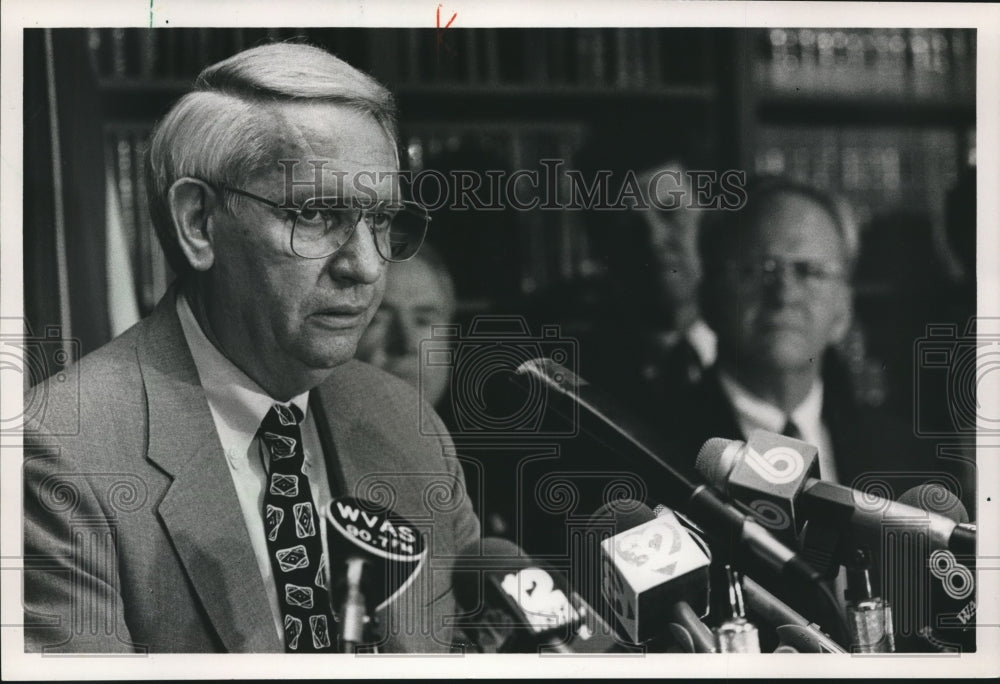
(791, 429)
(293, 538)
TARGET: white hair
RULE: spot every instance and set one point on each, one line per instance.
(222, 131)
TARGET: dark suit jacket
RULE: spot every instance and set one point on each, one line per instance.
(873, 451)
(867, 442)
(133, 534)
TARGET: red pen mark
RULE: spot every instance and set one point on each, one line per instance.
(439, 36)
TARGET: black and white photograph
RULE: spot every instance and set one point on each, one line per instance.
(469, 339)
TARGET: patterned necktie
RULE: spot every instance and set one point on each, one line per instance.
(791, 429)
(293, 541)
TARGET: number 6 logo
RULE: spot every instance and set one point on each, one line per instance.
(779, 465)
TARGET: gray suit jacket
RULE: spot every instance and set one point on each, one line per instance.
(133, 535)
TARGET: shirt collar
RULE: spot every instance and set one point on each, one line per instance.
(702, 339)
(237, 402)
(761, 414)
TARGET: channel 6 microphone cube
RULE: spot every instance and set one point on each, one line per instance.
(647, 569)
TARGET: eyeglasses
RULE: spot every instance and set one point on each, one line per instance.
(322, 225)
(765, 271)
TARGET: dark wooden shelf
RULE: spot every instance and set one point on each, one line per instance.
(791, 108)
(136, 99)
(681, 92)
(179, 86)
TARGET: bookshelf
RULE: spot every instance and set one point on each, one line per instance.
(477, 99)
(885, 118)
(879, 115)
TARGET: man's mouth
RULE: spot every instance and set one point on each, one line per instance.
(342, 310)
(338, 317)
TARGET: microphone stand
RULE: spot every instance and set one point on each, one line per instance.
(354, 616)
(869, 618)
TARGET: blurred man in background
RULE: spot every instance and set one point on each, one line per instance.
(777, 291)
(419, 294)
(682, 346)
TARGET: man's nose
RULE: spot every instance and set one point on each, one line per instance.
(358, 259)
(784, 284)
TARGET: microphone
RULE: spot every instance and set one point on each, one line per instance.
(936, 586)
(771, 468)
(935, 498)
(604, 420)
(794, 631)
(654, 573)
(374, 555)
(869, 618)
(793, 638)
(514, 604)
(737, 634)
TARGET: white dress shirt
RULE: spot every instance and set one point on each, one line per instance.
(753, 413)
(702, 339)
(238, 406)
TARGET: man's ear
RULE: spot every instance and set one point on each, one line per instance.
(844, 316)
(708, 302)
(191, 202)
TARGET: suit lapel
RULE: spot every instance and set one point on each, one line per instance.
(334, 471)
(344, 447)
(200, 509)
(718, 412)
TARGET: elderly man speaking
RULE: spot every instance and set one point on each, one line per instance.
(161, 524)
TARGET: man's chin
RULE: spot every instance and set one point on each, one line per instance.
(793, 359)
(328, 353)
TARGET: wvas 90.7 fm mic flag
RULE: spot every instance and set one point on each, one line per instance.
(374, 555)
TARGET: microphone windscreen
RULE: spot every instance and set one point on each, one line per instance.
(494, 546)
(623, 513)
(515, 603)
(933, 497)
(710, 462)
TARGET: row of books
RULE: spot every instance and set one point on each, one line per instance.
(585, 58)
(549, 245)
(126, 148)
(876, 169)
(920, 63)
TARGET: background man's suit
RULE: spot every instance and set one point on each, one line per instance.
(145, 484)
(865, 440)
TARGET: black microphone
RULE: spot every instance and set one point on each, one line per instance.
(654, 573)
(604, 420)
(516, 604)
(935, 498)
(374, 555)
(935, 586)
(749, 472)
(794, 631)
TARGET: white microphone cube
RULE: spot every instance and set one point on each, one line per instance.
(647, 569)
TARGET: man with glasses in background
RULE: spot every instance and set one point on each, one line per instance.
(274, 194)
(776, 289)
